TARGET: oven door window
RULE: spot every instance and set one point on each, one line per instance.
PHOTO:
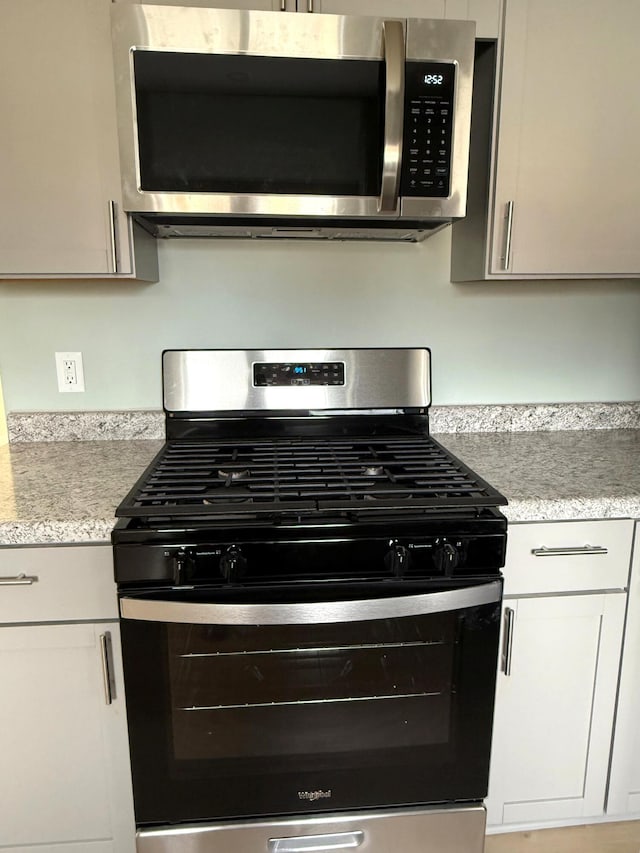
(252, 124)
(229, 721)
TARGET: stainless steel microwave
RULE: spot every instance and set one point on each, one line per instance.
(243, 123)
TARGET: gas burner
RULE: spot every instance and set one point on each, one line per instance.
(232, 475)
(373, 471)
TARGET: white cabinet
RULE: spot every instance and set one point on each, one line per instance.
(261, 5)
(624, 783)
(563, 622)
(61, 214)
(566, 189)
(486, 13)
(66, 781)
(554, 711)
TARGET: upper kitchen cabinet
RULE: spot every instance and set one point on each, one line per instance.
(60, 215)
(486, 13)
(260, 5)
(562, 197)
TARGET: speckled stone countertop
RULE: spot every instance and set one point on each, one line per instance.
(67, 491)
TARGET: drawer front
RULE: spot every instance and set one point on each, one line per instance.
(426, 830)
(567, 556)
(57, 584)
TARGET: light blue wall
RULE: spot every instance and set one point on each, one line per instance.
(491, 343)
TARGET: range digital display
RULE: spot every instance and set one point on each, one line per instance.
(298, 373)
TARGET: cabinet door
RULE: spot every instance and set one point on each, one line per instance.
(554, 710)
(65, 783)
(567, 187)
(262, 5)
(486, 13)
(377, 8)
(624, 782)
(60, 176)
(54, 215)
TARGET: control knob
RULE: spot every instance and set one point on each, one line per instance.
(446, 557)
(232, 564)
(182, 567)
(397, 559)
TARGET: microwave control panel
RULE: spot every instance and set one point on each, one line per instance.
(428, 105)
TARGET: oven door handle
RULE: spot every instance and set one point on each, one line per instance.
(316, 613)
(309, 843)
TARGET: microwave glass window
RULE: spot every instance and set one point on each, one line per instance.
(319, 122)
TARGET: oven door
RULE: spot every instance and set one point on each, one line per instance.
(291, 705)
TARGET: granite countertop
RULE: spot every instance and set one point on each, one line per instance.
(67, 491)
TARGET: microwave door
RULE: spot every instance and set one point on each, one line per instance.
(238, 113)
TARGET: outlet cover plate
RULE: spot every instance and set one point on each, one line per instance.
(69, 371)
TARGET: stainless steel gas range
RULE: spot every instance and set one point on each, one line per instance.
(310, 595)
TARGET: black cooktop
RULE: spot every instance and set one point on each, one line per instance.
(213, 478)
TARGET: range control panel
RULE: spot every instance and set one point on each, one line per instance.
(428, 104)
(298, 373)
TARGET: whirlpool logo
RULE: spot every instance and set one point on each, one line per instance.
(314, 795)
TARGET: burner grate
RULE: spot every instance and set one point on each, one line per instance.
(299, 475)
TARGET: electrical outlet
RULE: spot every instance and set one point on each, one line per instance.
(70, 372)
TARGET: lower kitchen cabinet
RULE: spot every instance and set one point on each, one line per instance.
(554, 709)
(563, 623)
(624, 783)
(65, 785)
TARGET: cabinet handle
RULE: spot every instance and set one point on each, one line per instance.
(19, 580)
(507, 240)
(309, 5)
(283, 5)
(507, 642)
(105, 649)
(543, 551)
(113, 231)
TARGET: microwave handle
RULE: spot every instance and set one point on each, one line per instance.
(315, 613)
(394, 60)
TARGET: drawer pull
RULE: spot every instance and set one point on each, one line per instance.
(569, 552)
(309, 843)
(19, 580)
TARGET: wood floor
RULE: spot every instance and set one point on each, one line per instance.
(596, 838)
